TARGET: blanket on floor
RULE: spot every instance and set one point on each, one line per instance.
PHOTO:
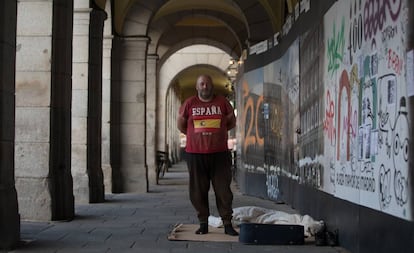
(254, 214)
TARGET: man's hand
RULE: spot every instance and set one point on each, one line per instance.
(231, 121)
(182, 124)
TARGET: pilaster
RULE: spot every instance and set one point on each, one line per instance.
(132, 120)
(151, 126)
(87, 105)
(80, 81)
(106, 109)
(43, 81)
(9, 213)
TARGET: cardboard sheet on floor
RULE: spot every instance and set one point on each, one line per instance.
(186, 232)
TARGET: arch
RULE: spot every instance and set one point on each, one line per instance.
(200, 55)
(213, 56)
(164, 56)
(257, 18)
(261, 19)
(213, 25)
(131, 8)
(185, 80)
(225, 6)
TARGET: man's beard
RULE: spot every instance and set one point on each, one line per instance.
(206, 94)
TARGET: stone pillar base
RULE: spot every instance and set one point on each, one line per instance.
(107, 174)
(9, 219)
(134, 178)
(35, 200)
(152, 174)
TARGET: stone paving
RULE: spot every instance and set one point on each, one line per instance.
(141, 223)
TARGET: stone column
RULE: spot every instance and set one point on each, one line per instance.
(80, 102)
(106, 99)
(106, 106)
(87, 105)
(9, 214)
(128, 115)
(96, 184)
(172, 136)
(43, 92)
(63, 206)
(115, 97)
(151, 88)
(168, 121)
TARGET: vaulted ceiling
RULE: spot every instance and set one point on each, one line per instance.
(230, 25)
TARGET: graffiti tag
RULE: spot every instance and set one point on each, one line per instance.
(336, 46)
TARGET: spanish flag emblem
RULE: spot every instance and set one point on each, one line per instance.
(206, 125)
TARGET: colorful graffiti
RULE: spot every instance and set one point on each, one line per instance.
(344, 115)
(349, 108)
(336, 46)
(253, 137)
(328, 123)
(393, 136)
(251, 117)
(375, 15)
(371, 156)
(272, 183)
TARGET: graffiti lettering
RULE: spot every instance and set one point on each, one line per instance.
(336, 46)
(394, 61)
(251, 114)
(249, 138)
(328, 123)
(259, 139)
(345, 101)
(272, 183)
(355, 36)
(389, 33)
(364, 183)
(375, 15)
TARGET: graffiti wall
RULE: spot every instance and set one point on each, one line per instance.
(281, 116)
(332, 111)
(312, 169)
(365, 85)
(270, 111)
(251, 122)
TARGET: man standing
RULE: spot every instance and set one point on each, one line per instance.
(206, 118)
